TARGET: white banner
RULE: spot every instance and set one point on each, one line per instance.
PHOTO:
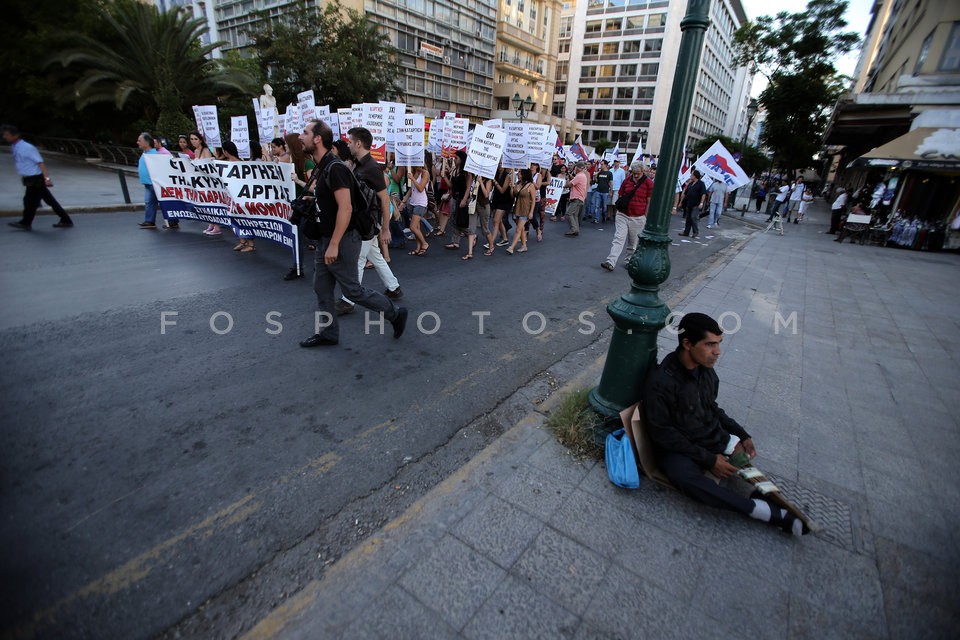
(240, 135)
(515, 150)
(554, 191)
(207, 123)
(374, 117)
(486, 149)
(408, 144)
(538, 137)
(455, 136)
(292, 122)
(435, 136)
(307, 105)
(345, 116)
(357, 117)
(496, 123)
(392, 110)
(448, 120)
(549, 148)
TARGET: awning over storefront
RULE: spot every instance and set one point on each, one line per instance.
(923, 148)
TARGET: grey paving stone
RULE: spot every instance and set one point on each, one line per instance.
(484, 529)
(397, 615)
(914, 618)
(517, 611)
(536, 491)
(933, 579)
(454, 581)
(837, 585)
(812, 622)
(738, 600)
(554, 457)
(830, 469)
(562, 569)
(628, 606)
(593, 523)
(668, 561)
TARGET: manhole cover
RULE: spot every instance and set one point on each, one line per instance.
(837, 522)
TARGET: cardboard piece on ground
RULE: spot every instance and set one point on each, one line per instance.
(632, 419)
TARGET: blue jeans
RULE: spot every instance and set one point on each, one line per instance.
(150, 204)
(716, 210)
(600, 201)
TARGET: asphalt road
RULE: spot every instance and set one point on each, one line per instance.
(147, 477)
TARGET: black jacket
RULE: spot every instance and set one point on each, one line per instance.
(682, 415)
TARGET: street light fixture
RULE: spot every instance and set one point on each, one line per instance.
(752, 107)
(522, 107)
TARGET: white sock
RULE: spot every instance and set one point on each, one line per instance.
(761, 510)
(797, 527)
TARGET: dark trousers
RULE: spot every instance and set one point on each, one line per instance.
(687, 476)
(343, 271)
(691, 219)
(37, 191)
(835, 215)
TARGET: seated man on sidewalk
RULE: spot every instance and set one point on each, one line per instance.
(691, 435)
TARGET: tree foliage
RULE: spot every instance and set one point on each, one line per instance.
(149, 61)
(796, 52)
(335, 51)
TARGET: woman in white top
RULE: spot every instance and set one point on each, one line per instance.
(417, 207)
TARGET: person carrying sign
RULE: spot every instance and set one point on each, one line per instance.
(631, 217)
(338, 243)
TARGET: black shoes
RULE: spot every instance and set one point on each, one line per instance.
(63, 224)
(318, 340)
(572, 234)
(606, 265)
(396, 293)
(147, 225)
(400, 322)
(343, 308)
(19, 225)
(293, 274)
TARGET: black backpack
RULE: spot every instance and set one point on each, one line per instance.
(367, 212)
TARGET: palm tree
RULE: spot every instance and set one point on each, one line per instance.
(150, 60)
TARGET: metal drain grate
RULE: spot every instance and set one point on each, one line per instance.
(836, 520)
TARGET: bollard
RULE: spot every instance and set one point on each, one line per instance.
(123, 186)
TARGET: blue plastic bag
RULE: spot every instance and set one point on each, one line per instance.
(621, 463)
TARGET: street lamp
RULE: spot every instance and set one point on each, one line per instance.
(642, 140)
(752, 107)
(639, 314)
(522, 107)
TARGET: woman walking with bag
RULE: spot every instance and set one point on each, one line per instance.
(523, 210)
(501, 203)
(417, 207)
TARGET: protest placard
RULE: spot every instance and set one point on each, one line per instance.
(307, 105)
(207, 123)
(515, 148)
(554, 191)
(240, 135)
(485, 151)
(345, 116)
(373, 120)
(435, 136)
(455, 136)
(392, 110)
(408, 145)
(538, 136)
(292, 123)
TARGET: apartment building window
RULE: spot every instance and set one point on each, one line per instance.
(634, 22)
(643, 115)
(656, 20)
(601, 114)
(632, 46)
(645, 93)
(564, 47)
(583, 114)
(604, 93)
(591, 49)
(520, 6)
(649, 69)
(625, 93)
(621, 115)
(563, 67)
(560, 89)
(950, 60)
(585, 94)
(615, 24)
(566, 26)
(611, 48)
(557, 110)
(653, 44)
(594, 26)
(589, 71)
(608, 71)
(628, 70)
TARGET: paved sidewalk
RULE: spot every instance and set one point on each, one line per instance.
(77, 186)
(854, 415)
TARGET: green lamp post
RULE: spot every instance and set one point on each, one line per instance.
(640, 314)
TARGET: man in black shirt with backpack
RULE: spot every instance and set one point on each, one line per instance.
(338, 242)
